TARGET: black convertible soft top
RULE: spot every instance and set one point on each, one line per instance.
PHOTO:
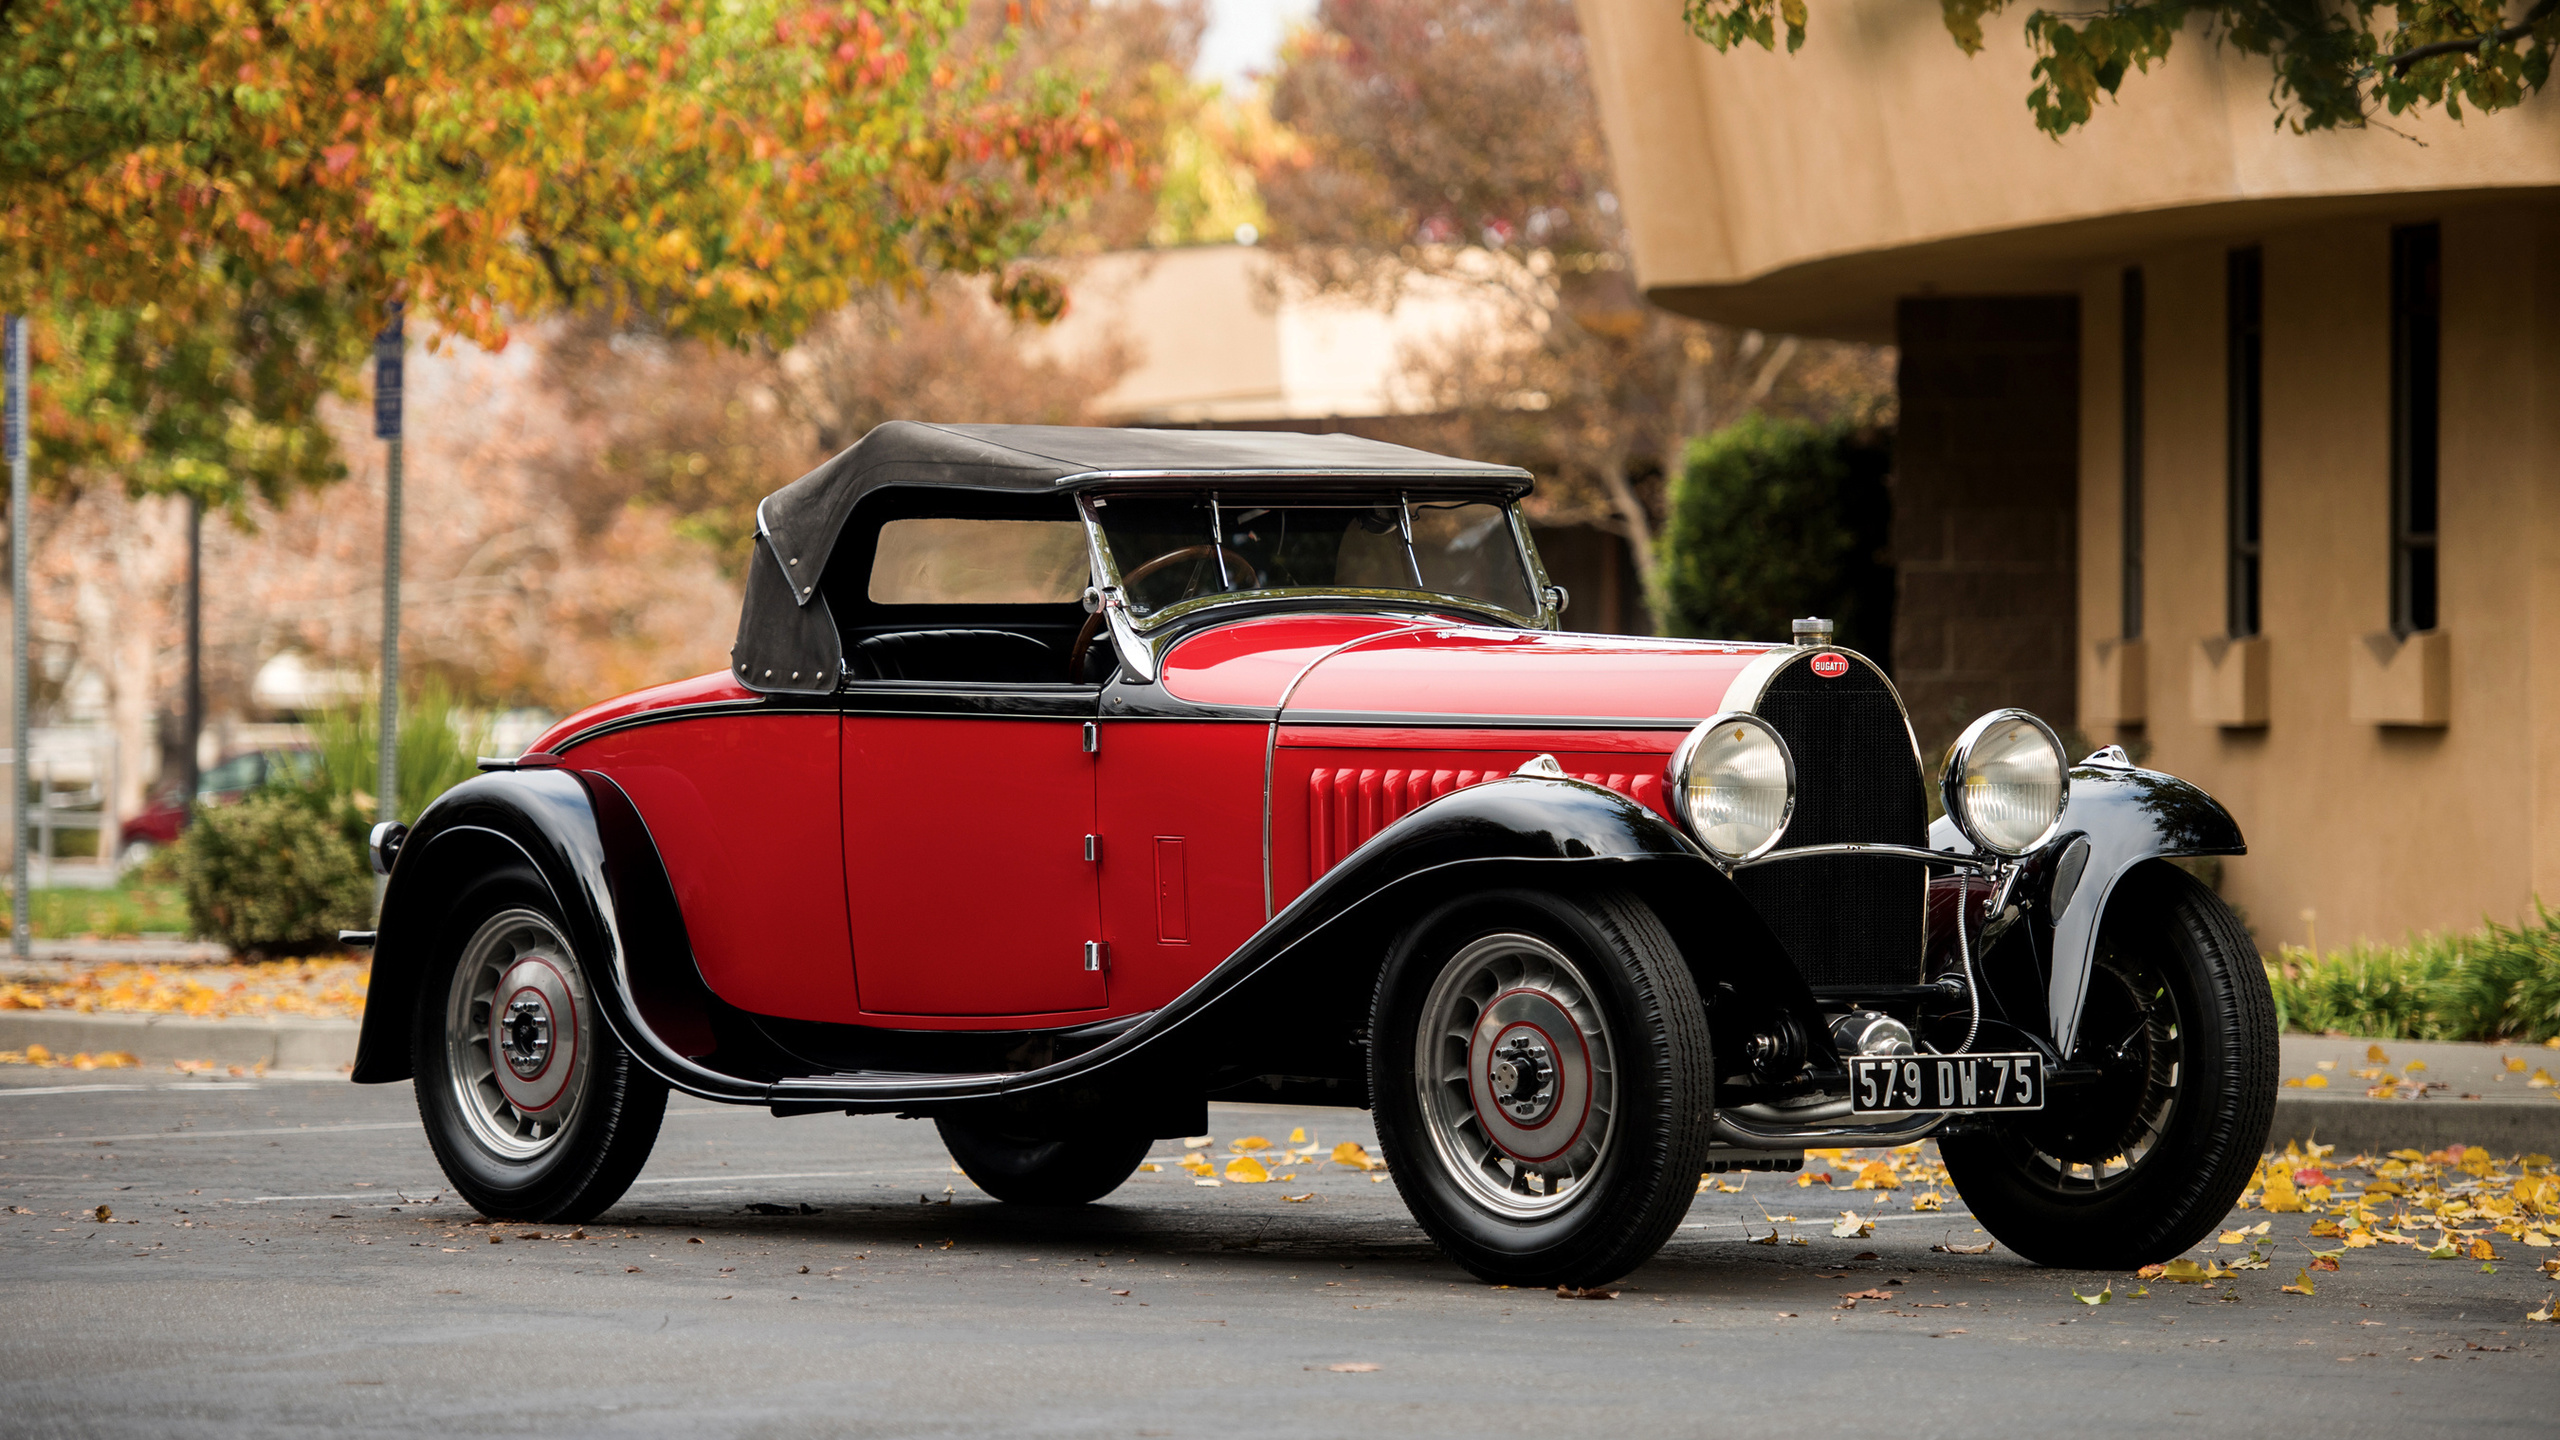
(787, 641)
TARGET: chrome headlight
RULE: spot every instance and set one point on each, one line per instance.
(2006, 782)
(1733, 784)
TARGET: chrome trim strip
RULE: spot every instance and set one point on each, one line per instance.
(1271, 749)
(1974, 863)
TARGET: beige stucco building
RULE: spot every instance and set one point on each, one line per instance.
(2235, 444)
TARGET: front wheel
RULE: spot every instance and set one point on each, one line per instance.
(1539, 1068)
(2145, 1162)
(535, 1112)
(1027, 1170)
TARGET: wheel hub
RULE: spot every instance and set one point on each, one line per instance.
(1523, 1075)
(525, 1039)
(1530, 1071)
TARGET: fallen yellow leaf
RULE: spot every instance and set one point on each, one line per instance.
(1249, 1142)
(1299, 1199)
(2311, 1082)
(1349, 1153)
(2515, 1064)
(1931, 1201)
(1850, 1227)
(2301, 1284)
(2541, 1078)
(1298, 1136)
(38, 1055)
(2544, 1315)
(2105, 1294)
(1198, 1142)
(105, 1213)
(2373, 1053)
(1151, 1165)
(2480, 1249)
(1245, 1170)
(1877, 1175)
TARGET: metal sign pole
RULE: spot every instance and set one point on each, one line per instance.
(387, 355)
(21, 903)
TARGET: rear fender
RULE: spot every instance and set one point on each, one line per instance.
(581, 836)
(2118, 817)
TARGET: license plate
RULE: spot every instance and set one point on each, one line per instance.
(1945, 1082)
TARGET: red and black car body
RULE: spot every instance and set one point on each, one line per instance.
(993, 819)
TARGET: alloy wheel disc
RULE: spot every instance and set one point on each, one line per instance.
(517, 1035)
(1516, 1074)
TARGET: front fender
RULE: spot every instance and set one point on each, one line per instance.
(1294, 998)
(2117, 818)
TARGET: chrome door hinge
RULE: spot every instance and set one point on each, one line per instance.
(1093, 847)
(1096, 952)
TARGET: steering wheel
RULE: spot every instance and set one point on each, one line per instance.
(1093, 622)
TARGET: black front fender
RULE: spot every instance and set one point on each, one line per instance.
(1294, 998)
(2117, 818)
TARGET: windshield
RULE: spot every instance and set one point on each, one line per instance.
(1162, 548)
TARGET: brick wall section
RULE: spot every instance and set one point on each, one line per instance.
(1985, 509)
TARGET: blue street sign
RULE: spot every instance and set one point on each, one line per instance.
(387, 350)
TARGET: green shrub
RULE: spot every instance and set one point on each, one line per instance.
(273, 874)
(436, 753)
(1775, 519)
(2498, 983)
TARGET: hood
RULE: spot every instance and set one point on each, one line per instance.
(1487, 676)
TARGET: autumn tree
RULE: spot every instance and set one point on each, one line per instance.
(1458, 140)
(2333, 66)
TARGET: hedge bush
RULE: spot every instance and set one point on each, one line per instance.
(1774, 519)
(273, 874)
(2497, 983)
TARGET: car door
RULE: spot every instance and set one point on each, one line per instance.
(965, 850)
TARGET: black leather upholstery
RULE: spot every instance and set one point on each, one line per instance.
(994, 656)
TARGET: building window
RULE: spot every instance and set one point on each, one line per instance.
(2417, 280)
(2245, 344)
(2132, 408)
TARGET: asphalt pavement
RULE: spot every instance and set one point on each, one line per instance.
(281, 1259)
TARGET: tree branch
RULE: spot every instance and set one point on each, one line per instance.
(2401, 62)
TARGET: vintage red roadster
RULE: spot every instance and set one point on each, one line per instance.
(1064, 780)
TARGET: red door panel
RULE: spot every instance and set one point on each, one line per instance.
(1327, 801)
(743, 810)
(964, 866)
(1180, 810)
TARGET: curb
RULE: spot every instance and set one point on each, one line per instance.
(2358, 1126)
(289, 1043)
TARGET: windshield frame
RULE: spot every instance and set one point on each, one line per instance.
(1106, 570)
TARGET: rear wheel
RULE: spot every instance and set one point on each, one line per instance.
(533, 1109)
(1025, 1170)
(1539, 1069)
(2148, 1160)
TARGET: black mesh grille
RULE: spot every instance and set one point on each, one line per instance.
(1846, 921)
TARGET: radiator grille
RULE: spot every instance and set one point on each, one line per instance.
(1846, 921)
(1348, 804)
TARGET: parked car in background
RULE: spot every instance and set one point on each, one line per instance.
(1064, 780)
(166, 817)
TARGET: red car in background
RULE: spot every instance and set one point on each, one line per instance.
(1063, 780)
(166, 818)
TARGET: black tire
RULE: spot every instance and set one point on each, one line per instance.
(1455, 1140)
(1021, 1170)
(504, 1162)
(2178, 1012)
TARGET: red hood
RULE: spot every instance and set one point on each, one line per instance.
(1483, 673)
(701, 689)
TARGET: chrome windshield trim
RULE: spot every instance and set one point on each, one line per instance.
(1106, 578)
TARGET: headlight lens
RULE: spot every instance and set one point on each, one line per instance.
(1734, 785)
(2006, 782)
